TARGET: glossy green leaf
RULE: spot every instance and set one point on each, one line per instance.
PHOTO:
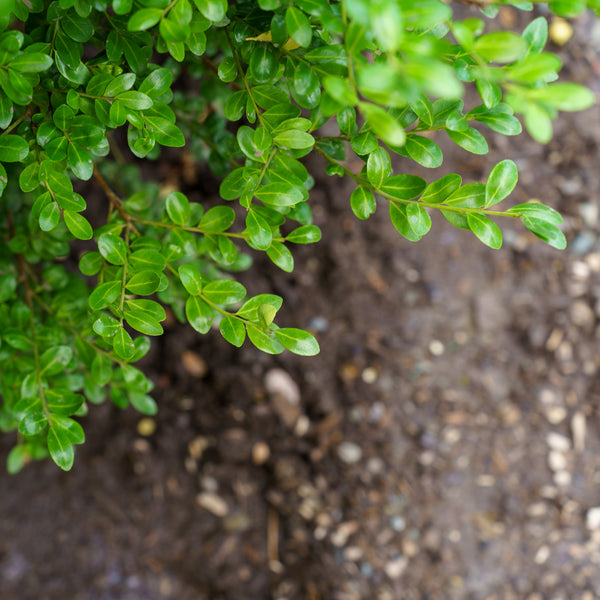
(78, 225)
(294, 139)
(60, 448)
(538, 211)
(178, 208)
(113, 248)
(191, 279)
(142, 322)
(104, 295)
(485, 229)
(199, 314)
(306, 234)
(143, 403)
(13, 148)
(54, 360)
(470, 139)
(217, 219)
(297, 341)
(500, 46)
(500, 182)
(279, 194)
(224, 291)
(418, 218)
(31, 62)
(400, 222)
(232, 330)
(546, 231)
(123, 344)
(281, 256)
(144, 283)
(250, 309)
(383, 124)
(267, 342)
(403, 186)
(424, 151)
(49, 216)
(298, 26)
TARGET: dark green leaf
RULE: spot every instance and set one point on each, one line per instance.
(546, 231)
(13, 148)
(142, 322)
(144, 18)
(298, 26)
(54, 360)
(217, 219)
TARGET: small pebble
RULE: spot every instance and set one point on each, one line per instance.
(542, 555)
(556, 414)
(260, 453)
(562, 478)
(146, 426)
(394, 568)
(583, 243)
(436, 348)
(556, 441)
(213, 503)
(557, 461)
(194, 364)
(592, 518)
(578, 429)
(369, 375)
(582, 314)
(285, 395)
(561, 31)
(349, 452)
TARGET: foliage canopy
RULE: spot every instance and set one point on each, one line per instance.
(248, 86)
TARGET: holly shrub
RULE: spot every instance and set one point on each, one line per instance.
(95, 90)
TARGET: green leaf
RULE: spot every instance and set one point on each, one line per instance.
(144, 283)
(140, 321)
(499, 118)
(17, 458)
(54, 360)
(250, 309)
(485, 229)
(470, 139)
(147, 259)
(123, 344)
(403, 186)
(213, 10)
(49, 216)
(341, 90)
(224, 291)
(31, 62)
(438, 191)
(232, 330)
(106, 326)
(178, 208)
(562, 96)
(13, 148)
(298, 26)
(471, 195)
(267, 342)
(418, 218)
(500, 46)
(157, 83)
(536, 35)
(306, 234)
(280, 255)
(546, 231)
(387, 23)
(144, 18)
(113, 248)
(538, 211)
(33, 423)
(143, 403)
(104, 295)
(191, 279)
(280, 194)
(294, 139)
(80, 161)
(383, 124)
(60, 448)
(400, 222)
(135, 100)
(500, 182)
(424, 151)
(217, 219)
(78, 225)
(153, 310)
(379, 166)
(199, 314)
(101, 369)
(165, 132)
(364, 143)
(263, 65)
(298, 341)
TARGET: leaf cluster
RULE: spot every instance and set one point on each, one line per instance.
(89, 87)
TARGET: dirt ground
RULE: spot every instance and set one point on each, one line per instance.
(445, 444)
